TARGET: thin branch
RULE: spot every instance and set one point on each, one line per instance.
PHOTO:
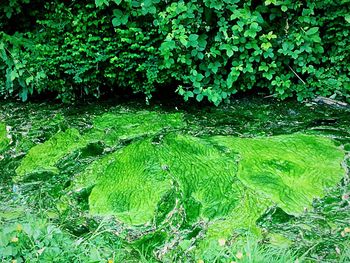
(297, 75)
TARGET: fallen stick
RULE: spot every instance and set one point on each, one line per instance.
(331, 102)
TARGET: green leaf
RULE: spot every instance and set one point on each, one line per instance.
(202, 43)
(119, 18)
(193, 37)
(250, 33)
(214, 66)
(24, 94)
(193, 40)
(266, 46)
(101, 2)
(199, 97)
(14, 75)
(312, 31)
(347, 18)
(183, 39)
(29, 80)
(284, 8)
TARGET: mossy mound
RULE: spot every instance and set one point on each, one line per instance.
(162, 179)
(107, 128)
(226, 181)
(43, 157)
(4, 140)
(291, 170)
(125, 126)
(141, 174)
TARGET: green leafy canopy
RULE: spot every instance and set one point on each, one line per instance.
(289, 48)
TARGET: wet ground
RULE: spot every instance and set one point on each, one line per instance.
(320, 234)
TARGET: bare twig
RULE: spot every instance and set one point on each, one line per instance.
(297, 75)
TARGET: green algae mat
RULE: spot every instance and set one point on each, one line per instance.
(107, 128)
(4, 140)
(171, 181)
(226, 181)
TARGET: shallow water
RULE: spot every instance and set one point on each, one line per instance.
(316, 232)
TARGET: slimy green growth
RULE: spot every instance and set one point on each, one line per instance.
(159, 177)
(4, 141)
(107, 128)
(224, 180)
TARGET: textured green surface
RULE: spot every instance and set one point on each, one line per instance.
(226, 180)
(178, 225)
(43, 157)
(161, 178)
(4, 141)
(132, 185)
(290, 170)
(135, 181)
(125, 126)
(107, 128)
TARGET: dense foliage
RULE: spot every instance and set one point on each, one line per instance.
(205, 48)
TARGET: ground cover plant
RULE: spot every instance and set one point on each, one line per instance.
(207, 49)
(120, 184)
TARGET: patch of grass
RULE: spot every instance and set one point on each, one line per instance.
(247, 250)
(35, 239)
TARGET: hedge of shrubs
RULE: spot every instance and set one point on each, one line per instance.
(207, 49)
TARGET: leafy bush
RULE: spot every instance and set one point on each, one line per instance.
(207, 48)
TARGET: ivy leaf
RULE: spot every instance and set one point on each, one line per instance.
(214, 66)
(268, 2)
(232, 77)
(193, 37)
(202, 43)
(187, 95)
(14, 75)
(29, 80)
(266, 46)
(252, 31)
(183, 39)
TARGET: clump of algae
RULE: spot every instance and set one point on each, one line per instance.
(226, 181)
(107, 128)
(4, 140)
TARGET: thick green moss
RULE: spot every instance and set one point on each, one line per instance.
(43, 157)
(227, 181)
(111, 128)
(290, 170)
(137, 177)
(132, 184)
(107, 128)
(4, 141)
